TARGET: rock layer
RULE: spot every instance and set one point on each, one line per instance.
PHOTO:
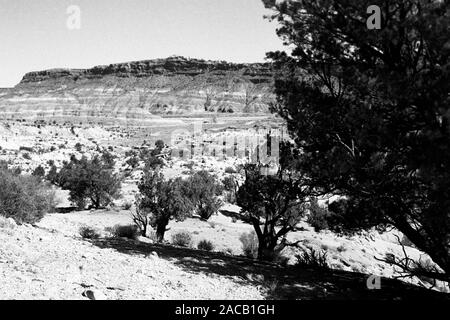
(141, 90)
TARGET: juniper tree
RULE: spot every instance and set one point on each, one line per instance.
(369, 110)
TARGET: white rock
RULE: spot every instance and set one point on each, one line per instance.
(144, 239)
(12, 222)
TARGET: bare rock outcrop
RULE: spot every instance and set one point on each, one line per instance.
(141, 90)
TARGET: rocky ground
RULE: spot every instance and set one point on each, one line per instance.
(40, 263)
(52, 261)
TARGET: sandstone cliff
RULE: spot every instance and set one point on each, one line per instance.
(141, 90)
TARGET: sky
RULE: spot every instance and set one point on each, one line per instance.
(39, 35)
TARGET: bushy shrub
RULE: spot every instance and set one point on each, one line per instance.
(24, 198)
(78, 147)
(88, 233)
(26, 156)
(230, 170)
(318, 216)
(39, 172)
(127, 206)
(203, 190)
(159, 201)
(182, 239)
(205, 245)
(310, 258)
(88, 180)
(125, 231)
(249, 244)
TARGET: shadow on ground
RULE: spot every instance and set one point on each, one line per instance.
(277, 282)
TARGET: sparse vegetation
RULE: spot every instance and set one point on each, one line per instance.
(249, 244)
(182, 239)
(274, 205)
(318, 215)
(24, 198)
(205, 245)
(39, 172)
(89, 181)
(160, 201)
(125, 231)
(203, 190)
(230, 170)
(310, 258)
(88, 233)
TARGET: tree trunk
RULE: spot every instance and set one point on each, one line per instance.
(161, 230)
(266, 248)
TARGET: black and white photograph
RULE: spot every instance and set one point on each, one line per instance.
(225, 150)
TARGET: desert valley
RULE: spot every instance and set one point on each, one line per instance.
(137, 114)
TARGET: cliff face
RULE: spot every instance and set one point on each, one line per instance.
(141, 90)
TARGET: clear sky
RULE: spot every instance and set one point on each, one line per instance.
(34, 33)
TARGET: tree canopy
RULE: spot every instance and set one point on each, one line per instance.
(369, 111)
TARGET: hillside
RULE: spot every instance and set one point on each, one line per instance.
(52, 261)
(141, 90)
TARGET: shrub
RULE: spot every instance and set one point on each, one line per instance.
(159, 144)
(205, 245)
(39, 172)
(133, 161)
(88, 233)
(249, 244)
(24, 198)
(230, 170)
(127, 206)
(26, 156)
(28, 149)
(125, 231)
(310, 258)
(182, 239)
(89, 180)
(161, 201)
(203, 190)
(231, 187)
(78, 147)
(317, 216)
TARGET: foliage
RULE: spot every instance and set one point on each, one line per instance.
(182, 239)
(88, 180)
(231, 187)
(140, 218)
(39, 172)
(88, 233)
(205, 245)
(317, 216)
(127, 206)
(78, 147)
(310, 258)
(125, 231)
(24, 198)
(159, 145)
(230, 170)
(273, 204)
(162, 201)
(370, 111)
(203, 190)
(249, 244)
